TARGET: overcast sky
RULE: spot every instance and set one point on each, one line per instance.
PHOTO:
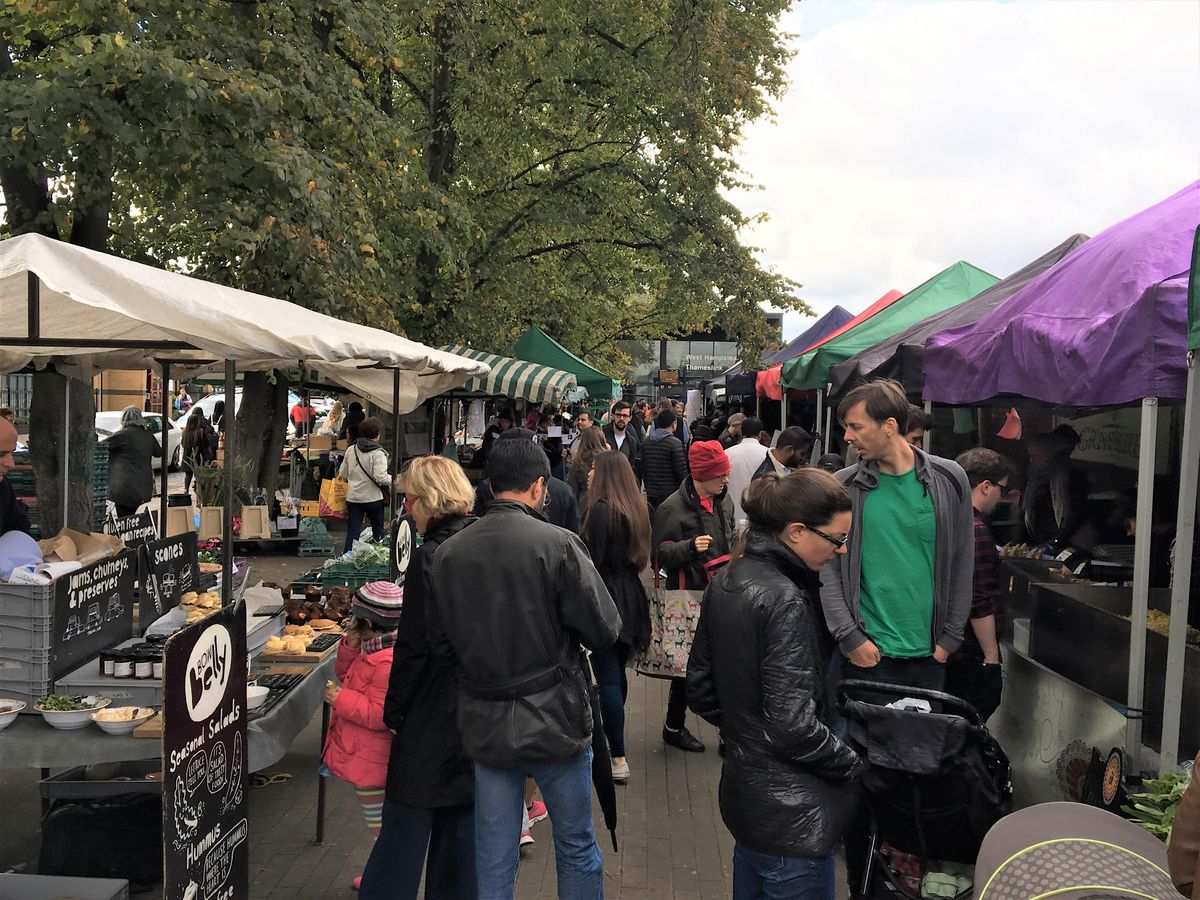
(915, 134)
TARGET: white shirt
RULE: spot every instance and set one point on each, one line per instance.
(618, 438)
(744, 460)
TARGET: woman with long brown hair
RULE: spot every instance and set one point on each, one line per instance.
(616, 529)
(591, 441)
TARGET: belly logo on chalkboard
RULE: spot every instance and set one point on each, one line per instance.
(208, 672)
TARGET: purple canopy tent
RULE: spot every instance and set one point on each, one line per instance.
(1106, 326)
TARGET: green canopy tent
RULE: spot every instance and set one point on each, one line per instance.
(537, 346)
(950, 287)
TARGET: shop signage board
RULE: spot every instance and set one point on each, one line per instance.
(206, 853)
(93, 610)
(403, 545)
(133, 530)
(668, 376)
(168, 571)
(1113, 437)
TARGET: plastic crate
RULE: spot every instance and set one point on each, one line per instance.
(72, 784)
(55, 887)
(26, 600)
(351, 576)
(26, 679)
(31, 633)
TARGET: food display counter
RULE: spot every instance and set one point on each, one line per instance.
(1066, 670)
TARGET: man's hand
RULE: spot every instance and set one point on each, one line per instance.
(865, 655)
(702, 542)
(940, 653)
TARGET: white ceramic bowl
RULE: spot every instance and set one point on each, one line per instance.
(73, 719)
(125, 726)
(256, 696)
(13, 708)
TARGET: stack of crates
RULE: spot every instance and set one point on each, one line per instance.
(26, 621)
(25, 487)
(316, 540)
(100, 486)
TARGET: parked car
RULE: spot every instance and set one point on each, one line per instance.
(109, 423)
(321, 404)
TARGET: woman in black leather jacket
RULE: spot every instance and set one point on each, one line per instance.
(788, 784)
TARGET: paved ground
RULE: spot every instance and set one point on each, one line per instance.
(673, 845)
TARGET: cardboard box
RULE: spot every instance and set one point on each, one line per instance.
(309, 509)
(256, 523)
(212, 526)
(321, 442)
(180, 519)
(342, 445)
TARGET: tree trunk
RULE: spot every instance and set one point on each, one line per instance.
(261, 430)
(443, 142)
(48, 415)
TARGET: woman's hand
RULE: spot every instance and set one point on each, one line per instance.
(332, 691)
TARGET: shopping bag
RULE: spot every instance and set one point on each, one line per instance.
(333, 498)
(674, 613)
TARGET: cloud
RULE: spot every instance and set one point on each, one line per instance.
(916, 134)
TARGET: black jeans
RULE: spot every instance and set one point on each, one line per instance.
(676, 704)
(399, 856)
(354, 521)
(922, 672)
(981, 686)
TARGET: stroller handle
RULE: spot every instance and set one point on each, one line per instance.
(955, 705)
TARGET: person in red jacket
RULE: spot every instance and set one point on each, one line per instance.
(358, 744)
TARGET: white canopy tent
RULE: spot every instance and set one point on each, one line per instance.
(80, 310)
(83, 309)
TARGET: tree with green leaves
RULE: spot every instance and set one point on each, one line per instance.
(454, 170)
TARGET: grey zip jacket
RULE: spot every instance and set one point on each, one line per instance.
(954, 554)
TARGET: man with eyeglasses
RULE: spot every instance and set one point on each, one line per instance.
(897, 601)
(973, 671)
(621, 436)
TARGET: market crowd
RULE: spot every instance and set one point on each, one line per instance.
(467, 691)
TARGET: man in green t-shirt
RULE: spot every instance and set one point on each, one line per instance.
(897, 602)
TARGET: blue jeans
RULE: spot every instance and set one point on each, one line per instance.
(566, 788)
(354, 521)
(609, 666)
(763, 876)
(393, 871)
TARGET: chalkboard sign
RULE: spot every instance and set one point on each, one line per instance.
(206, 854)
(93, 610)
(168, 570)
(133, 530)
(403, 544)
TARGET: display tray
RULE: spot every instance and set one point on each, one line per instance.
(322, 647)
(281, 681)
(126, 778)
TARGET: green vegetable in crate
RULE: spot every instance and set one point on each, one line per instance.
(365, 555)
(1155, 806)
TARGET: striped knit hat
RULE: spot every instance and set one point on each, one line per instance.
(380, 602)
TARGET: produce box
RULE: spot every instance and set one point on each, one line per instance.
(351, 576)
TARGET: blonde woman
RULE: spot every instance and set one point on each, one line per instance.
(332, 423)
(428, 809)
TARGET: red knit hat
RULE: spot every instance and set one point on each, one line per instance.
(707, 460)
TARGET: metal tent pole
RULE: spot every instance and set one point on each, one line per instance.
(230, 451)
(1185, 533)
(396, 436)
(926, 439)
(820, 414)
(66, 454)
(1135, 711)
(164, 408)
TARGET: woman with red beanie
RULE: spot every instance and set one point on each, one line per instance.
(692, 536)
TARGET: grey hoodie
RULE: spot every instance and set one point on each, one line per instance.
(954, 553)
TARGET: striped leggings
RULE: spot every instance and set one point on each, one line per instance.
(371, 801)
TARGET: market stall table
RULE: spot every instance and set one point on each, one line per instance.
(30, 743)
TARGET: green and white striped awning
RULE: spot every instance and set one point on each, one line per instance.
(516, 378)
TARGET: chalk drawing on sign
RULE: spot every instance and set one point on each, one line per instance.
(115, 608)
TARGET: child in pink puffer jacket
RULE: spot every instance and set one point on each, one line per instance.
(358, 744)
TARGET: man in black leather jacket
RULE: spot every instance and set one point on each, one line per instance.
(515, 597)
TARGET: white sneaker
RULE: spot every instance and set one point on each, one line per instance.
(620, 772)
(526, 839)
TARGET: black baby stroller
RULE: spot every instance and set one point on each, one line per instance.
(937, 780)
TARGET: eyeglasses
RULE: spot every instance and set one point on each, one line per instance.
(837, 542)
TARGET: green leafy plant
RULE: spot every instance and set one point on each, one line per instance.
(1154, 807)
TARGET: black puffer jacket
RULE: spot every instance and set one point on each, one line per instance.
(681, 518)
(664, 465)
(428, 766)
(756, 672)
(515, 597)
